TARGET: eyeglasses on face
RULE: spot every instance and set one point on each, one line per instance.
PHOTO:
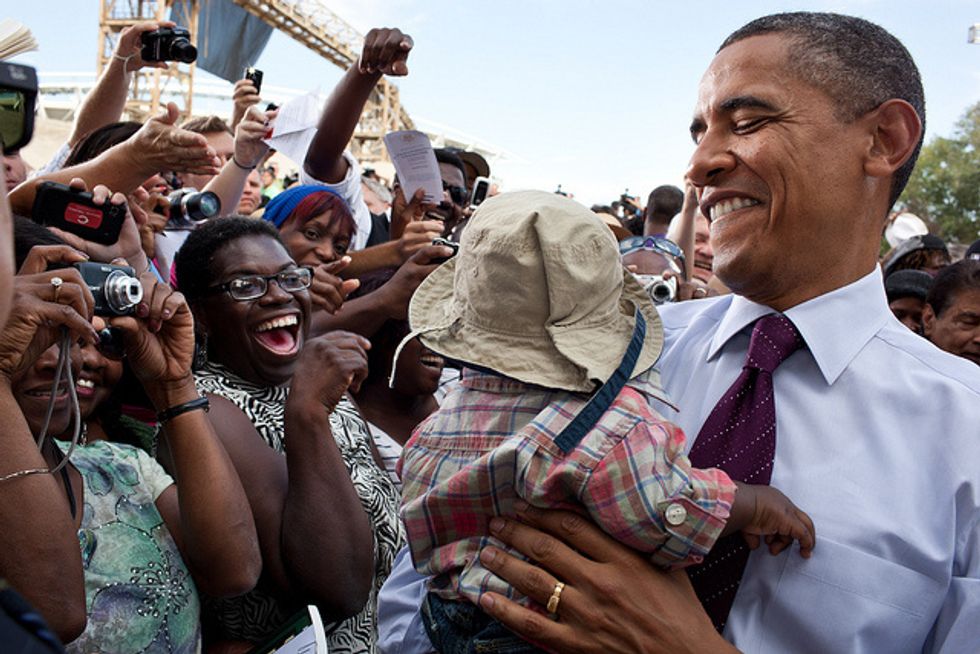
(252, 287)
(457, 194)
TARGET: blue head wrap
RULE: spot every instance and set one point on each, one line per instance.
(282, 206)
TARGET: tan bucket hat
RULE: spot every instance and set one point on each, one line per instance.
(537, 293)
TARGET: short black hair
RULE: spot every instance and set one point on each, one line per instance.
(446, 156)
(960, 276)
(664, 202)
(99, 140)
(857, 63)
(27, 234)
(193, 261)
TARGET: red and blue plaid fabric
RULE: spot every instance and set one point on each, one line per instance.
(492, 442)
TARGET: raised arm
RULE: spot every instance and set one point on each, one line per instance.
(681, 229)
(249, 151)
(158, 145)
(104, 104)
(385, 53)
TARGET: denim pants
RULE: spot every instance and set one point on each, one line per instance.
(458, 627)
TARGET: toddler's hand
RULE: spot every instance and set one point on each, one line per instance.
(773, 518)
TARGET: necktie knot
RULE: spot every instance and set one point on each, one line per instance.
(774, 338)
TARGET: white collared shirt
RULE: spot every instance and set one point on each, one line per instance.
(878, 439)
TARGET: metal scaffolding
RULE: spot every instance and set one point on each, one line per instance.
(309, 22)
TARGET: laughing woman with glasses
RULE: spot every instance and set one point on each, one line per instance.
(325, 511)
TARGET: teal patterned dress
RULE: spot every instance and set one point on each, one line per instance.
(138, 592)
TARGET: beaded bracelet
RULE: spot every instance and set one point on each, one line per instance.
(174, 411)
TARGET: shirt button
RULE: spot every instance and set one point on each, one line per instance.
(675, 514)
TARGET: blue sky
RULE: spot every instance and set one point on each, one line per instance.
(595, 96)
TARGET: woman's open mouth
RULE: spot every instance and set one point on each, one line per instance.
(279, 335)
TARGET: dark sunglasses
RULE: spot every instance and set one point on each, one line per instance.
(457, 194)
(252, 287)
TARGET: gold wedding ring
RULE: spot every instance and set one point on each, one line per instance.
(555, 597)
(57, 282)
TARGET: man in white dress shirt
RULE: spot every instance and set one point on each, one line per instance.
(807, 127)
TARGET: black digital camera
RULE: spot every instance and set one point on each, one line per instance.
(168, 44)
(116, 289)
(57, 205)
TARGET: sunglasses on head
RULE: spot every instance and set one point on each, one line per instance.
(654, 244)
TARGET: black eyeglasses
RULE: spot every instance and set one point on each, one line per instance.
(457, 194)
(252, 287)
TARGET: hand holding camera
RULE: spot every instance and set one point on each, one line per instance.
(129, 47)
(168, 43)
(255, 126)
(245, 95)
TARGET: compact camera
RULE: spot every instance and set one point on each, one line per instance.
(116, 289)
(168, 44)
(188, 207)
(57, 205)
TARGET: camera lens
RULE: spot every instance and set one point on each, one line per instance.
(200, 206)
(182, 50)
(661, 293)
(122, 292)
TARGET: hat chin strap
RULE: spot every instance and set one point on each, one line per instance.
(415, 333)
(601, 400)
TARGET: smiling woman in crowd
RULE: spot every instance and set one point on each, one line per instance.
(327, 514)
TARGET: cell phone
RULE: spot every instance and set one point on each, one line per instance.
(57, 205)
(448, 244)
(254, 75)
(481, 186)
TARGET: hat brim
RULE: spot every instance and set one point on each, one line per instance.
(548, 364)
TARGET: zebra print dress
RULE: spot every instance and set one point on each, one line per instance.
(255, 615)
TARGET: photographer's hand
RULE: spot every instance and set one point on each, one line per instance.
(244, 96)
(129, 46)
(41, 306)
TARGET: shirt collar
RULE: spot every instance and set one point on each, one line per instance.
(835, 325)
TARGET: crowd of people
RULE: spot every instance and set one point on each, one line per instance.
(514, 425)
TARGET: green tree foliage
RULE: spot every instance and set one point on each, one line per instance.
(945, 187)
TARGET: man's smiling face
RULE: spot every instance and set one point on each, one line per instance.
(777, 171)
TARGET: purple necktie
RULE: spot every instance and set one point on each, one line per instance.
(739, 437)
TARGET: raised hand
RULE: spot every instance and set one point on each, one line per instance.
(161, 145)
(775, 520)
(129, 45)
(244, 96)
(385, 52)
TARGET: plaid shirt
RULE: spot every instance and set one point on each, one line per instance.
(492, 441)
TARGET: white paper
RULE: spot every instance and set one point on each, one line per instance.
(416, 165)
(310, 640)
(295, 126)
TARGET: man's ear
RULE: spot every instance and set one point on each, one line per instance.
(928, 320)
(897, 129)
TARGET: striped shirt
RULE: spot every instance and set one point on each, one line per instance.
(492, 442)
